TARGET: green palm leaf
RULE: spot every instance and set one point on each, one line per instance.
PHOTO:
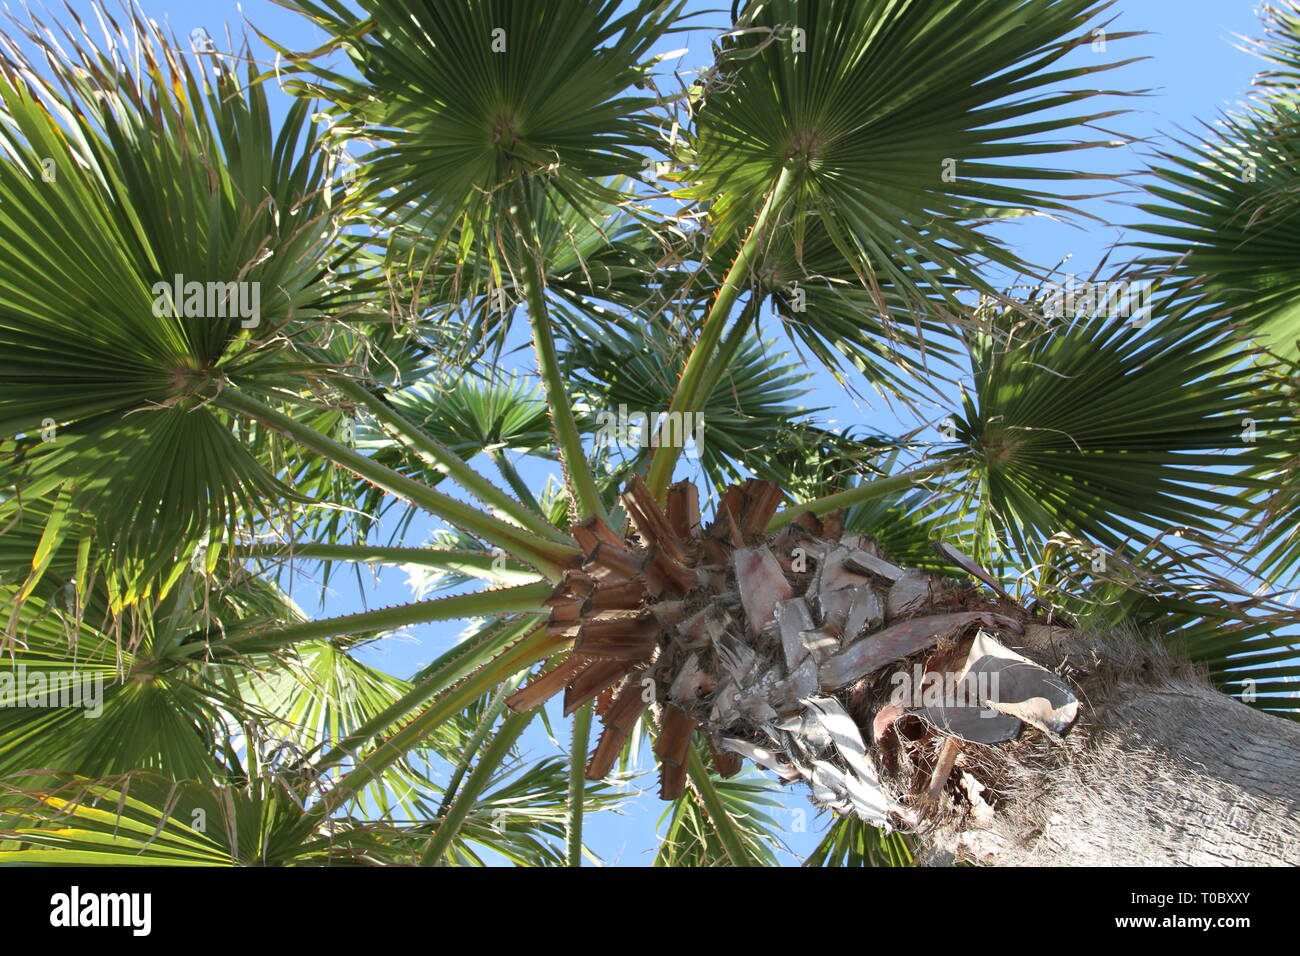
(143, 820)
(470, 98)
(866, 103)
(850, 842)
(751, 422)
(692, 835)
(1227, 200)
(137, 174)
(1100, 428)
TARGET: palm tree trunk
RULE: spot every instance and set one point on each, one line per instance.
(1157, 772)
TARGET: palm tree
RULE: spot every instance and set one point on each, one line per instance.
(234, 346)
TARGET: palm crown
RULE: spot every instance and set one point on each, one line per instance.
(831, 186)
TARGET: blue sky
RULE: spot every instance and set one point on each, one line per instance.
(1191, 69)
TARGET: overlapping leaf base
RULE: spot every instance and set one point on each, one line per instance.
(777, 648)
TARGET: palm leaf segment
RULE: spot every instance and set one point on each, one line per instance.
(1227, 207)
(123, 174)
(144, 819)
(896, 119)
(473, 96)
(1109, 426)
(1229, 223)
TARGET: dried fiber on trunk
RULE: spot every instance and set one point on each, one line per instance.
(916, 701)
(1159, 769)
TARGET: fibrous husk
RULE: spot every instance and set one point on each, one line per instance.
(781, 649)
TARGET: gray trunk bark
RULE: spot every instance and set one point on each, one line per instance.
(1165, 773)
